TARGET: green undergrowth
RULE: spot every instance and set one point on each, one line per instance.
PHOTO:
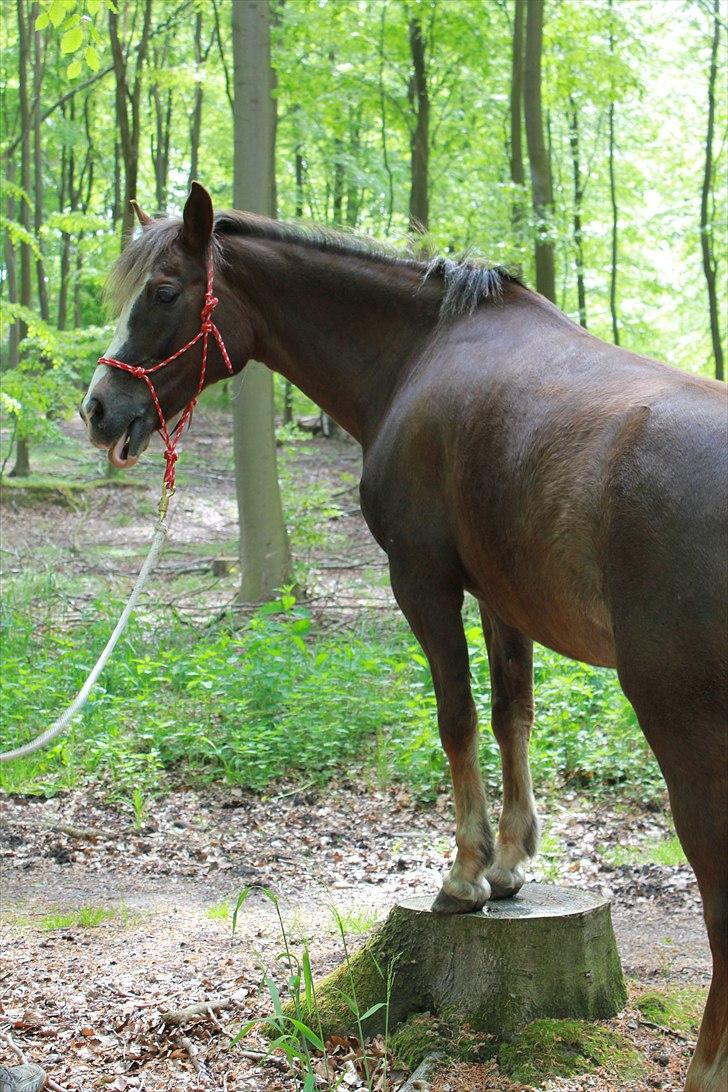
(279, 697)
(662, 851)
(677, 1008)
(546, 1049)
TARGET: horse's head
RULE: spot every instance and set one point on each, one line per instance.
(158, 288)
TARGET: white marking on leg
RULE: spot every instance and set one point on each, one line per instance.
(518, 818)
(465, 879)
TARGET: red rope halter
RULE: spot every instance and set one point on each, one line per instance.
(207, 327)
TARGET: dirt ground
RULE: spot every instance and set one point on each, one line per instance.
(86, 1001)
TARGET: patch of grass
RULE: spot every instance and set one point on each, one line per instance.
(662, 851)
(679, 1009)
(357, 920)
(85, 917)
(566, 1048)
(219, 911)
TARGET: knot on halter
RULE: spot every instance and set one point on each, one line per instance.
(208, 307)
(137, 372)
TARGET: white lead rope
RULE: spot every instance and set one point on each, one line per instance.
(60, 725)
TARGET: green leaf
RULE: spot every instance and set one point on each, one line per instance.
(71, 40)
(57, 12)
(372, 1010)
(73, 70)
(241, 899)
(92, 59)
(93, 7)
(307, 1033)
(42, 21)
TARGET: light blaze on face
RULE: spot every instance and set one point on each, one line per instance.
(119, 455)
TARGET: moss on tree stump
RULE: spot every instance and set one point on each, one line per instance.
(548, 952)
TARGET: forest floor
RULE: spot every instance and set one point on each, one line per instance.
(107, 923)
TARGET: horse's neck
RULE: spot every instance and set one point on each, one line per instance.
(340, 327)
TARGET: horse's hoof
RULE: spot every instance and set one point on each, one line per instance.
(472, 898)
(505, 882)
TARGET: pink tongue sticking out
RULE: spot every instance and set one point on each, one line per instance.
(119, 454)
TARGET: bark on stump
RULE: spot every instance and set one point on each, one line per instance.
(549, 951)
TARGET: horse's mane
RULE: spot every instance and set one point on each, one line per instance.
(466, 283)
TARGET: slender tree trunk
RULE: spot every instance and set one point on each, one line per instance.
(541, 185)
(578, 199)
(613, 203)
(196, 120)
(419, 211)
(706, 226)
(21, 469)
(10, 284)
(518, 175)
(264, 553)
(298, 170)
(43, 303)
(339, 182)
(353, 191)
(84, 201)
(128, 98)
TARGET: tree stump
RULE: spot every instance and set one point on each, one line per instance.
(549, 951)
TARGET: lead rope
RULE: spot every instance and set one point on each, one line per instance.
(207, 327)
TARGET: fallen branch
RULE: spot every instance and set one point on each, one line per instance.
(181, 1016)
(669, 1031)
(14, 1047)
(8, 1039)
(192, 1052)
(89, 834)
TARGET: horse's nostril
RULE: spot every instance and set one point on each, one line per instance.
(92, 410)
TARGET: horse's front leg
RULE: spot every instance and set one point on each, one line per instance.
(510, 655)
(435, 617)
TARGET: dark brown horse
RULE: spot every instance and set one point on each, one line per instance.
(577, 490)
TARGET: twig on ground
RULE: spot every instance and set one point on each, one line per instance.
(85, 833)
(181, 1016)
(22, 1058)
(669, 1031)
(192, 1052)
(291, 792)
(7, 1038)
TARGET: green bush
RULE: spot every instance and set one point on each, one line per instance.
(278, 698)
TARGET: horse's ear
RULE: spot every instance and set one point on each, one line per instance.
(143, 218)
(197, 219)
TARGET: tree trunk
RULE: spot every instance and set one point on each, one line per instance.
(128, 97)
(196, 120)
(518, 175)
(43, 304)
(419, 212)
(613, 202)
(706, 226)
(264, 554)
(549, 953)
(353, 191)
(21, 468)
(541, 186)
(578, 198)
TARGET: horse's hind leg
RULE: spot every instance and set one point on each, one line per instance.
(510, 655)
(435, 618)
(688, 733)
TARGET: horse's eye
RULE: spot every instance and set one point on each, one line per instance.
(166, 293)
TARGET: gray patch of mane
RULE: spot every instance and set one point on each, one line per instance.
(465, 283)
